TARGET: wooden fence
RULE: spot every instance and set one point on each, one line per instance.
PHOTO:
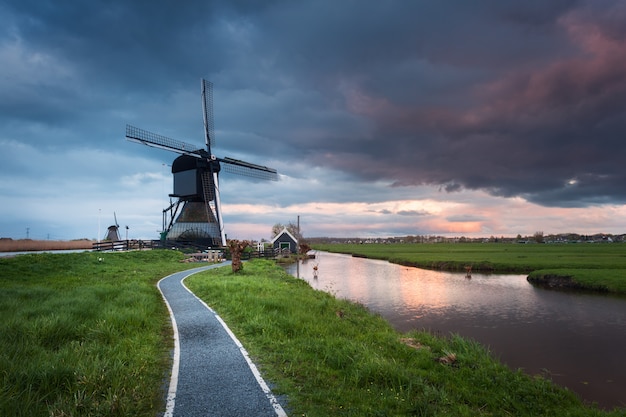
(124, 245)
(120, 245)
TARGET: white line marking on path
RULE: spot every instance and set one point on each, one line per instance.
(268, 393)
(171, 393)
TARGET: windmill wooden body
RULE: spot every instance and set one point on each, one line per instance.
(113, 231)
(196, 215)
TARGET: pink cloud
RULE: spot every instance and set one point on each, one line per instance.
(564, 88)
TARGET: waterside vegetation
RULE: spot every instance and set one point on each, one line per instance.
(333, 357)
(591, 266)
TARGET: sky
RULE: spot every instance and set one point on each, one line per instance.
(383, 118)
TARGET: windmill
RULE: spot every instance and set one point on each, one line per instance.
(113, 233)
(196, 184)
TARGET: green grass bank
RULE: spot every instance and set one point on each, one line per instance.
(89, 335)
(84, 334)
(331, 357)
(596, 267)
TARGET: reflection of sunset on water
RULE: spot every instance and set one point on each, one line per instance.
(524, 326)
(365, 288)
(418, 297)
(415, 292)
(406, 293)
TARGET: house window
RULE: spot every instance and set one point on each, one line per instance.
(284, 245)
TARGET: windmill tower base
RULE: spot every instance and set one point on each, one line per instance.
(195, 231)
(193, 224)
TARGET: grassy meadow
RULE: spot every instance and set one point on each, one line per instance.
(84, 334)
(593, 266)
(88, 334)
(332, 357)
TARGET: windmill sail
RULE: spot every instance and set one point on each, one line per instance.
(135, 134)
(207, 111)
(247, 169)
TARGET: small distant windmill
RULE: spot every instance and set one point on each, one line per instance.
(113, 231)
(196, 180)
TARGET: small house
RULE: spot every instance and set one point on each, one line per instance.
(285, 241)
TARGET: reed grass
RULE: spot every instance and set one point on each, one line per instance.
(19, 245)
(332, 357)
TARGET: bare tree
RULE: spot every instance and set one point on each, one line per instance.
(304, 248)
(236, 249)
(276, 229)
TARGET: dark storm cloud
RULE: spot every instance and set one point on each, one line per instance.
(117, 41)
(515, 98)
(546, 125)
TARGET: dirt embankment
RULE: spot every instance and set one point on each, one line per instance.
(563, 282)
(21, 245)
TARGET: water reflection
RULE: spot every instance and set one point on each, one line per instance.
(578, 338)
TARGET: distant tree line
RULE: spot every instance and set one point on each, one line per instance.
(537, 237)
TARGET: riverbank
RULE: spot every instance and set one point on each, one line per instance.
(591, 267)
(333, 357)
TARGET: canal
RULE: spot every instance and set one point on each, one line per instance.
(577, 340)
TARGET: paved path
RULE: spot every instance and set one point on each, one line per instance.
(212, 374)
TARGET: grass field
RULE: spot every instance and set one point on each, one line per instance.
(594, 266)
(84, 334)
(88, 334)
(332, 357)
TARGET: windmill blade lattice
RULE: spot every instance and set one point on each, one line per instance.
(235, 166)
(135, 134)
(207, 110)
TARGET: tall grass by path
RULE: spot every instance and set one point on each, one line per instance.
(595, 266)
(331, 357)
(84, 334)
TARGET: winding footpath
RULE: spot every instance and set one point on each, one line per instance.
(212, 374)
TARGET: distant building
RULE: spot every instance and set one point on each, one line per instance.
(113, 233)
(285, 241)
